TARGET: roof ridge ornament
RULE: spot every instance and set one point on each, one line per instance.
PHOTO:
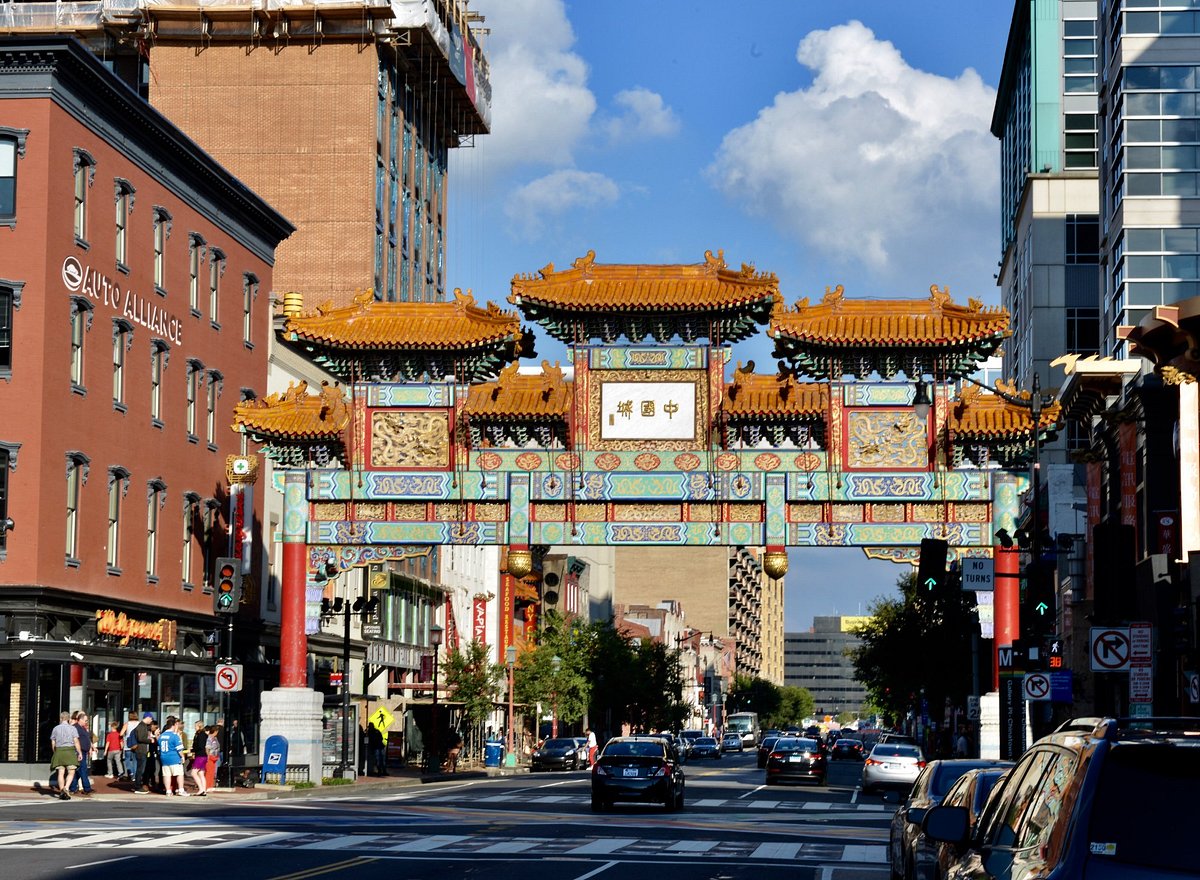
(585, 263)
(834, 297)
(940, 296)
(463, 301)
(552, 378)
(712, 264)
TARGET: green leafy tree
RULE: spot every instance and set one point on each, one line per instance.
(557, 672)
(795, 704)
(753, 695)
(474, 681)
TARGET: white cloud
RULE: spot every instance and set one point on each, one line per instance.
(531, 206)
(875, 162)
(541, 104)
(643, 116)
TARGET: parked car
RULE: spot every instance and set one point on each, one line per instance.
(558, 754)
(847, 749)
(1098, 798)
(687, 738)
(731, 742)
(892, 766)
(794, 758)
(905, 840)
(764, 749)
(972, 791)
(637, 768)
(705, 747)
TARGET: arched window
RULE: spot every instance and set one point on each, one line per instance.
(78, 465)
(85, 174)
(123, 191)
(118, 487)
(156, 499)
(162, 231)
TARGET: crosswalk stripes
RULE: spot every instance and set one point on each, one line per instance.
(725, 803)
(65, 836)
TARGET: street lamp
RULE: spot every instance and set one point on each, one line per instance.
(435, 639)
(556, 664)
(510, 656)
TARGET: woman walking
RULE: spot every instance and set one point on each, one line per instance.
(200, 758)
(213, 748)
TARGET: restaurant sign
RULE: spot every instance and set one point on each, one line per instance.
(124, 629)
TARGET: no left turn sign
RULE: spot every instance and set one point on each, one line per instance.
(1037, 687)
(229, 677)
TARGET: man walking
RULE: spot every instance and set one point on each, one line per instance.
(129, 740)
(64, 741)
(141, 749)
(170, 755)
(84, 777)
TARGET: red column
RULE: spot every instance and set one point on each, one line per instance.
(1007, 603)
(293, 643)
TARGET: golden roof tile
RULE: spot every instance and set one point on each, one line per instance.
(645, 288)
(754, 394)
(295, 413)
(369, 324)
(988, 416)
(521, 395)
(936, 321)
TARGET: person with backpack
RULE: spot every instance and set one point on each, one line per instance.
(129, 738)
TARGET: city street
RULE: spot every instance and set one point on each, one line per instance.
(529, 825)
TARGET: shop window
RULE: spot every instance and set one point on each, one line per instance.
(85, 174)
(118, 487)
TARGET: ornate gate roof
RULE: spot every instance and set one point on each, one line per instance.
(592, 300)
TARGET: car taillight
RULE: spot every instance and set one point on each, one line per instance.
(873, 761)
(921, 764)
(778, 755)
(599, 770)
(664, 770)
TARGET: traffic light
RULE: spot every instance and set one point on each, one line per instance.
(1039, 609)
(553, 582)
(228, 592)
(931, 572)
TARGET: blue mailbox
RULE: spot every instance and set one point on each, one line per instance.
(275, 758)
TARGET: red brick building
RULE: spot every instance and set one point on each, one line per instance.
(135, 287)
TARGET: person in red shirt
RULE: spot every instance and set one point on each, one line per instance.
(113, 748)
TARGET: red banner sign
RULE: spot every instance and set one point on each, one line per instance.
(507, 606)
(479, 621)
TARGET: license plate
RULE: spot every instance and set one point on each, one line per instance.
(630, 771)
(890, 767)
(795, 759)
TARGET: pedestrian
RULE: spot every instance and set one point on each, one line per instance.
(455, 741)
(114, 751)
(83, 779)
(591, 746)
(153, 776)
(237, 741)
(961, 745)
(376, 750)
(212, 748)
(129, 744)
(200, 758)
(64, 743)
(141, 750)
(170, 754)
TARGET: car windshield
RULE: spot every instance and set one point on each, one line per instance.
(636, 749)
(896, 751)
(705, 741)
(848, 743)
(769, 742)
(792, 744)
(559, 744)
(948, 773)
(1155, 828)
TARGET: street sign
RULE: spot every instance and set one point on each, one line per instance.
(335, 679)
(229, 677)
(978, 574)
(381, 718)
(1110, 649)
(1062, 686)
(1037, 687)
(1141, 683)
(973, 708)
(1141, 642)
(1193, 686)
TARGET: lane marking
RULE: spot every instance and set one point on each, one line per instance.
(601, 847)
(255, 840)
(340, 842)
(859, 853)
(784, 851)
(511, 846)
(428, 843)
(692, 846)
(752, 791)
(593, 873)
(101, 862)
(326, 869)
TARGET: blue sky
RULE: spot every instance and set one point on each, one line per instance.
(827, 141)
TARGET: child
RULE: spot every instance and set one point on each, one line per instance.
(113, 749)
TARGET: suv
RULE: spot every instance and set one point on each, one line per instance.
(1097, 798)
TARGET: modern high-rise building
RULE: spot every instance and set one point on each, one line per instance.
(817, 661)
(1046, 119)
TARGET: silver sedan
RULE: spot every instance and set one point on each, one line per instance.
(892, 766)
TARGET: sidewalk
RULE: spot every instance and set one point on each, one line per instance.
(106, 789)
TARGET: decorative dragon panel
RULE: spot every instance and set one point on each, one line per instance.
(415, 439)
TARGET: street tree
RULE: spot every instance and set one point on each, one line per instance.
(753, 694)
(473, 680)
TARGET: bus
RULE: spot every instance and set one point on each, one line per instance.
(745, 724)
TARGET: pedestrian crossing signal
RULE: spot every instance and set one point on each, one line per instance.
(228, 591)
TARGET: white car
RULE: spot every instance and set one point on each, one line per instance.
(892, 765)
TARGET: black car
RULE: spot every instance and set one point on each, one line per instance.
(905, 839)
(764, 749)
(557, 754)
(972, 791)
(637, 768)
(1096, 799)
(795, 758)
(705, 747)
(847, 749)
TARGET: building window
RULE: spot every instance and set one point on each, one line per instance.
(118, 485)
(124, 198)
(1083, 330)
(162, 231)
(156, 498)
(81, 322)
(6, 459)
(159, 353)
(12, 147)
(7, 302)
(122, 341)
(209, 535)
(215, 381)
(85, 174)
(77, 474)
(191, 516)
(195, 258)
(216, 268)
(249, 295)
(193, 381)
(1083, 239)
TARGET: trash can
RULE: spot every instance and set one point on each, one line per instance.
(493, 754)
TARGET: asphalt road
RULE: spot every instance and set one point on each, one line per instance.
(535, 827)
